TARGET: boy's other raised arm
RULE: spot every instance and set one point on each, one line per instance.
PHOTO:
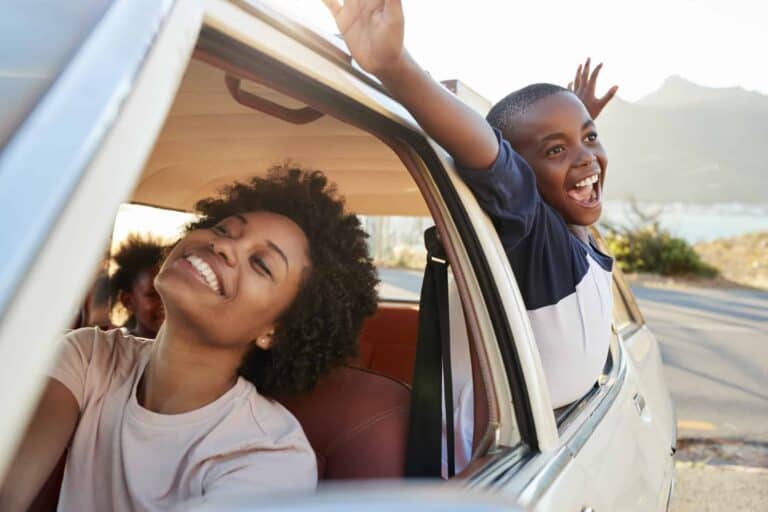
(373, 31)
(583, 86)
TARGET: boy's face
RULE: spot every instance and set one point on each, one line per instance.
(557, 137)
(144, 303)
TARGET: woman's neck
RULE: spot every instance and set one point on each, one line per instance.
(184, 373)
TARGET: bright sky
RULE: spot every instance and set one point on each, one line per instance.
(496, 46)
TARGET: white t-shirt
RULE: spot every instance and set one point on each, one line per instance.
(125, 457)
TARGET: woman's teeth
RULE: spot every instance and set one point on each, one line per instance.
(206, 272)
(587, 181)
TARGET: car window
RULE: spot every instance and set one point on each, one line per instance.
(622, 315)
(29, 61)
(396, 244)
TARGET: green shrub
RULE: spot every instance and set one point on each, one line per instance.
(645, 247)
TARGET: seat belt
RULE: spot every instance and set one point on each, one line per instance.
(432, 369)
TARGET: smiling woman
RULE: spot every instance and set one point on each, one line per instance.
(265, 292)
(308, 268)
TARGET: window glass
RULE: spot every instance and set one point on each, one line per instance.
(37, 39)
(396, 244)
(622, 316)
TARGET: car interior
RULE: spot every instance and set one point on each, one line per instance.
(232, 119)
(226, 125)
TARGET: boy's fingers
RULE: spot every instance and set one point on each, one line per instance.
(577, 79)
(609, 95)
(346, 14)
(343, 15)
(593, 78)
(570, 86)
(393, 8)
(585, 72)
(333, 5)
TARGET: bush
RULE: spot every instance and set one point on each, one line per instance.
(646, 247)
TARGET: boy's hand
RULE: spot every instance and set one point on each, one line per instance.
(583, 86)
(373, 31)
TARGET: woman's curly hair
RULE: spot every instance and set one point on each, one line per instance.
(319, 330)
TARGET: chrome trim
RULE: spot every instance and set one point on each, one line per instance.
(543, 479)
(606, 396)
(629, 330)
(671, 492)
(46, 157)
(613, 388)
(507, 460)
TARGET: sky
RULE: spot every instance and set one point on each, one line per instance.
(497, 46)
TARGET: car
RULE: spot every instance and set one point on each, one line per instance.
(162, 103)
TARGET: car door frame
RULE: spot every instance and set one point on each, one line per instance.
(95, 145)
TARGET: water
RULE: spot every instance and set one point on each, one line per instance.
(696, 222)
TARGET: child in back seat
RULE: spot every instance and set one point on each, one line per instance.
(541, 196)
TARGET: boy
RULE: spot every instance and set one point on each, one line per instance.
(541, 196)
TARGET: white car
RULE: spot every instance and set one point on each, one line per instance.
(162, 102)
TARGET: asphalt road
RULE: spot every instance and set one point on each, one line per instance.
(714, 344)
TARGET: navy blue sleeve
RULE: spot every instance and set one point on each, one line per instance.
(544, 255)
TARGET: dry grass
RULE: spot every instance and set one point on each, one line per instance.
(742, 259)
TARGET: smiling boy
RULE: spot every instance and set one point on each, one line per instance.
(537, 168)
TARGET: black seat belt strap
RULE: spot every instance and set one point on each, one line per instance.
(432, 371)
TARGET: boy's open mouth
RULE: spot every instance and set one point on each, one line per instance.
(587, 191)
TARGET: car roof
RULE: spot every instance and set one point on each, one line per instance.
(210, 140)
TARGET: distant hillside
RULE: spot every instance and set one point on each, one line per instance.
(688, 143)
(741, 259)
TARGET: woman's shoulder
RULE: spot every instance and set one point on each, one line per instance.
(114, 347)
(273, 419)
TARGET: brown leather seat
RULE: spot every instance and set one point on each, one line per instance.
(357, 423)
(388, 341)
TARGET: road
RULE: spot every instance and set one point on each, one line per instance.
(714, 344)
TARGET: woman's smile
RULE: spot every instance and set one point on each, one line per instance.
(202, 272)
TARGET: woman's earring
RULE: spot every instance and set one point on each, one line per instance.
(263, 342)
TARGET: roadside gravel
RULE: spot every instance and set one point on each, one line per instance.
(702, 488)
(721, 474)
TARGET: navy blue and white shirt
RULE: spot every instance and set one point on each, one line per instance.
(565, 283)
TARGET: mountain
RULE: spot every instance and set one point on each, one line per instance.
(688, 143)
(676, 91)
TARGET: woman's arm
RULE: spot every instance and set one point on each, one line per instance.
(45, 440)
(373, 31)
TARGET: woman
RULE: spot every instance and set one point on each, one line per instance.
(263, 294)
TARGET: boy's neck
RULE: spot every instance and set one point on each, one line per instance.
(581, 232)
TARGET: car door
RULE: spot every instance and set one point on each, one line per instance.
(643, 348)
(68, 164)
(611, 453)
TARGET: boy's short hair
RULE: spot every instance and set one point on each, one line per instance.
(502, 114)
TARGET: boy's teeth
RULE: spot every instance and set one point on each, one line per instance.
(206, 272)
(587, 181)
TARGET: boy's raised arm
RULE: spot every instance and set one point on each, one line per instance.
(583, 86)
(373, 31)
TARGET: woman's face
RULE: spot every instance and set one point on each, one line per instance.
(233, 281)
